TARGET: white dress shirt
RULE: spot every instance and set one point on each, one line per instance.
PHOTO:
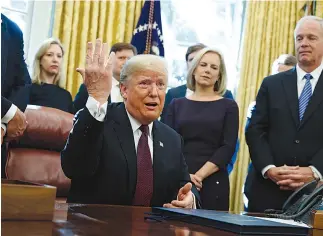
(8, 117)
(115, 91)
(300, 86)
(99, 112)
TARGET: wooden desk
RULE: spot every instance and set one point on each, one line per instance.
(76, 219)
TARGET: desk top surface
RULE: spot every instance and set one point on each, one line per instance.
(78, 219)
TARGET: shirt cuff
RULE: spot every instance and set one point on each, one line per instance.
(194, 202)
(10, 114)
(4, 127)
(98, 112)
(264, 170)
(316, 172)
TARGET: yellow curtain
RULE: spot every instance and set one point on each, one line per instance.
(268, 33)
(78, 22)
(319, 8)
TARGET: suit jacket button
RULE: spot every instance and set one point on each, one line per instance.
(297, 141)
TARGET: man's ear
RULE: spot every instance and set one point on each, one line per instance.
(123, 91)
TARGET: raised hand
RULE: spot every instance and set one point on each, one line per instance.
(185, 198)
(98, 71)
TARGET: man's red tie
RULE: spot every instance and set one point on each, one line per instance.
(144, 187)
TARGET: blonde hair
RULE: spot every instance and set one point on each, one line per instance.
(221, 84)
(40, 53)
(141, 63)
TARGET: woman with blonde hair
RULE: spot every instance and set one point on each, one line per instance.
(208, 124)
(47, 71)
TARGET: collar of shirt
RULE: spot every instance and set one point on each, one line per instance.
(135, 125)
(315, 73)
(115, 83)
(301, 81)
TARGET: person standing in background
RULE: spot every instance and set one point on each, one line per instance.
(208, 123)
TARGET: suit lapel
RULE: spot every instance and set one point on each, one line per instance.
(124, 132)
(290, 87)
(182, 92)
(158, 159)
(5, 41)
(315, 101)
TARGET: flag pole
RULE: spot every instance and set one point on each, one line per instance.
(150, 27)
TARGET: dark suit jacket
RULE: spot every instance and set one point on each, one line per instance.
(276, 136)
(14, 73)
(100, 159)
(81, 98)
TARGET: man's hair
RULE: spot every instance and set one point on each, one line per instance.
(284, 59)
(307, 18)
(289, 60)
(141, 63)
(117, 47)
(194, 48)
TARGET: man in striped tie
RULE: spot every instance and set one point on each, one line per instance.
(285, 135)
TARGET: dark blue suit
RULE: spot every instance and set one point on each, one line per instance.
(180, 92)
(276, 135)
(14, 73)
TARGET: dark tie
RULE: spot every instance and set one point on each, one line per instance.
(144, 187)
(305, 96)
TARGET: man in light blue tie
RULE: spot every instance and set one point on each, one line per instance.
(285, 135)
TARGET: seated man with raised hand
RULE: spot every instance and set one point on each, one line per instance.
(120, 153)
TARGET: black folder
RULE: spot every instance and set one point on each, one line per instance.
(240, 224)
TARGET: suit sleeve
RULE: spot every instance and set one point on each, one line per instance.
(80, 98)
(317, 161)
(81, 155)
(5, 106)
(20, 90)
(168, 99)
(257, 131)
(223, 154)
(228, 94)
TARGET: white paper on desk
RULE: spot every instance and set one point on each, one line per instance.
(289, 222)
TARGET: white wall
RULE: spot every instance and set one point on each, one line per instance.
(40, 28)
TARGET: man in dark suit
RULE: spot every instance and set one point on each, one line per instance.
(123, 51)
(183, 91)
(14, 78)
(285, 134)
(283, 63)
(120, 153)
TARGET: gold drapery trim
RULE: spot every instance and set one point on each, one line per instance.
(268, 33)
(78, 22)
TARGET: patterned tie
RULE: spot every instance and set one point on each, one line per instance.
(305, 96)
(144, 187)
